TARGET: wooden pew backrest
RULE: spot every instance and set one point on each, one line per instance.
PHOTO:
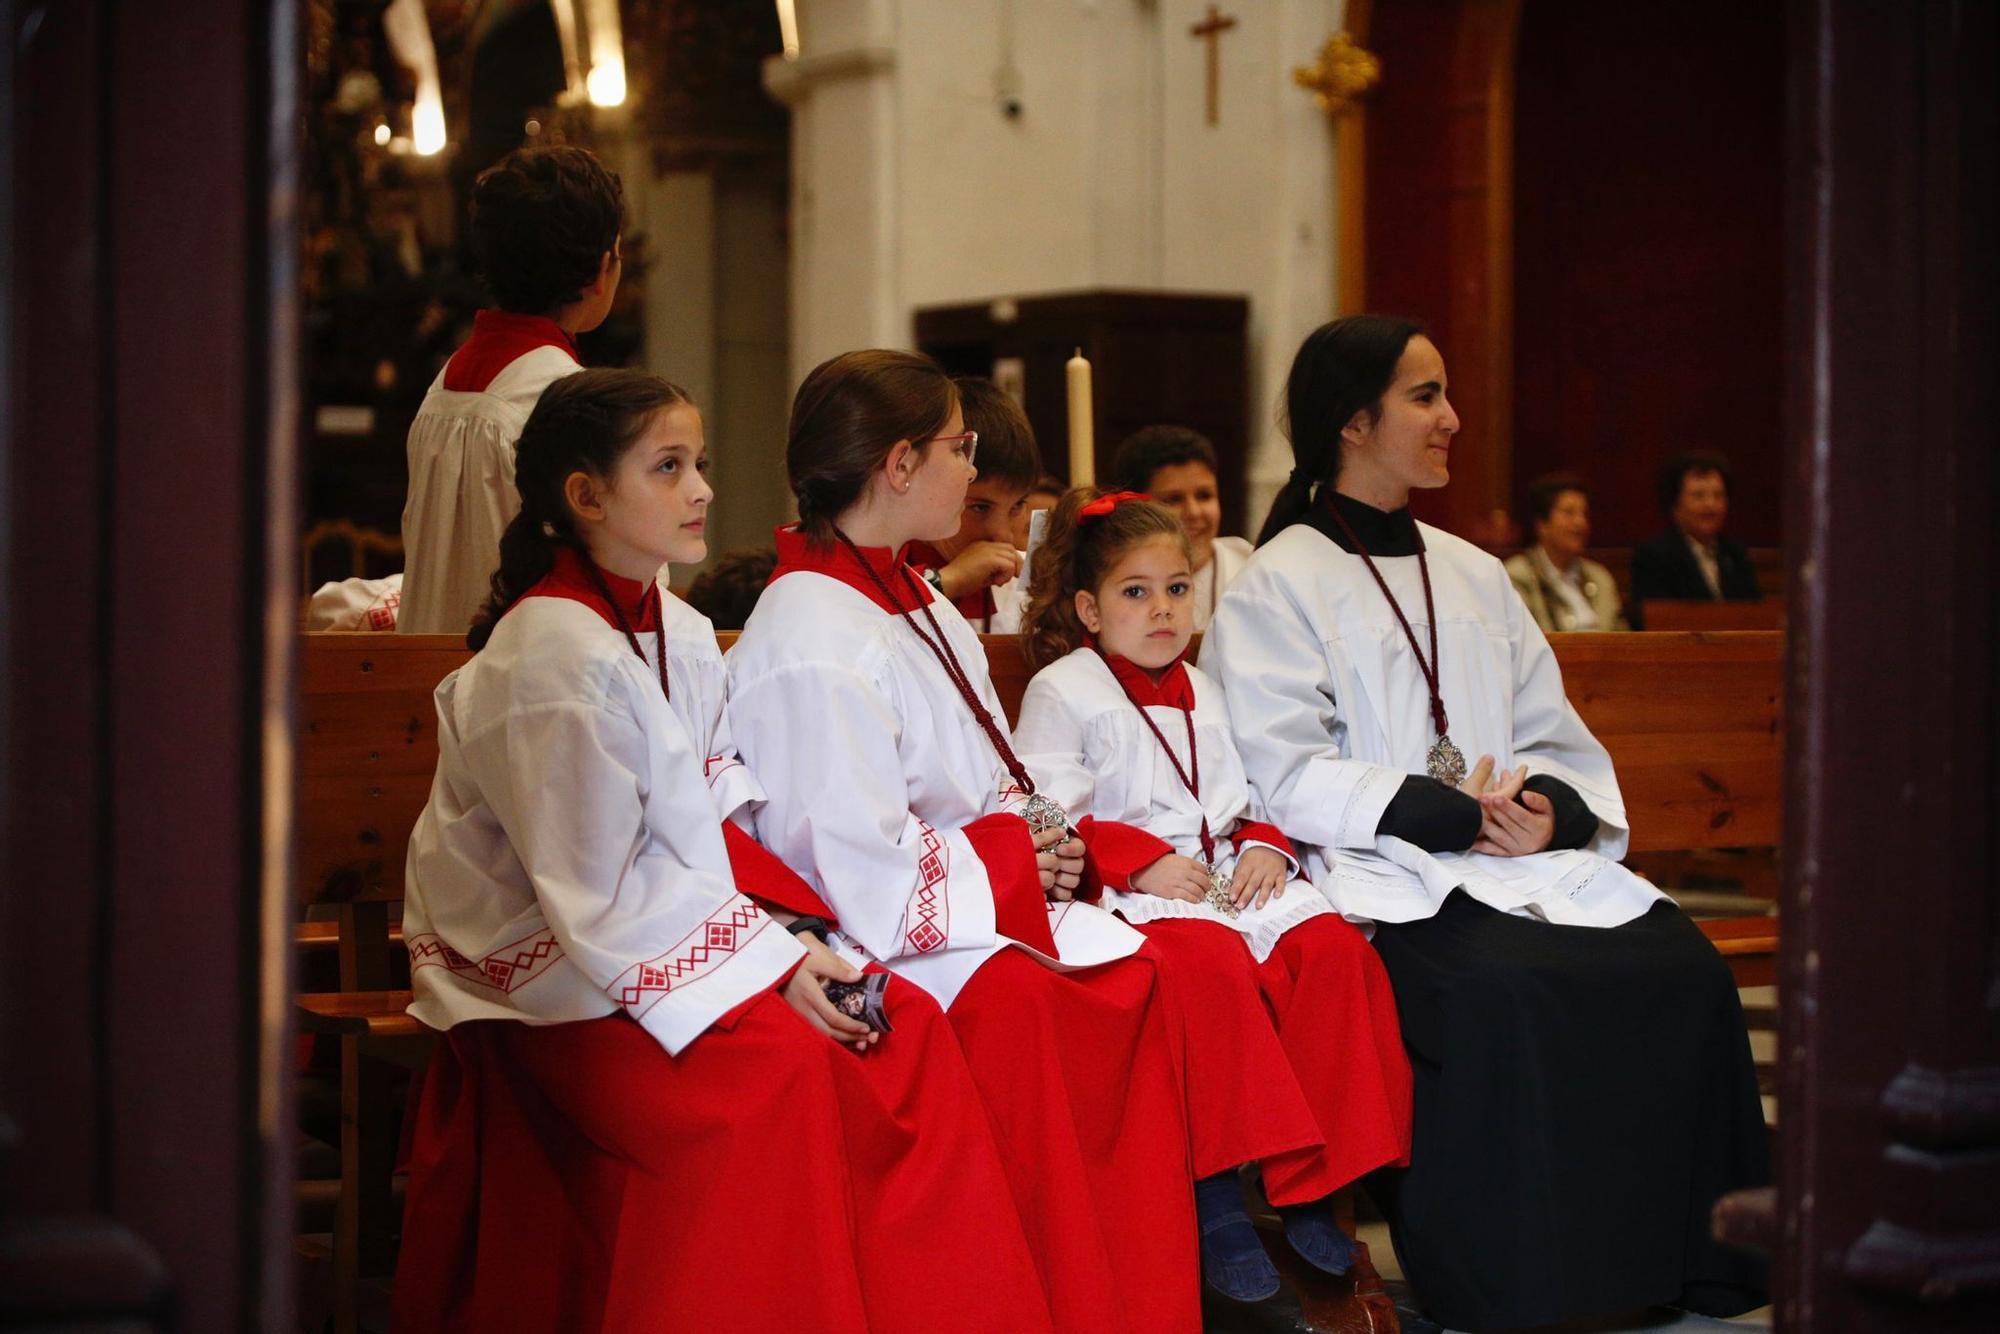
(1665, 614)
(1692, 724)
(1691, 721)
(367, 752)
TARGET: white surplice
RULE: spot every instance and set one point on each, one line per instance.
(462, 497)
(1082, 737)
(700, 684)
(570, 863)
(874, 765)
(1331, 712)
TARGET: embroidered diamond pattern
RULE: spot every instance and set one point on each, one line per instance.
(928, 925)
(699, 953)
(507, 968)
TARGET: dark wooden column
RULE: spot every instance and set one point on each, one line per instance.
(146, 517)
(1889, 1200)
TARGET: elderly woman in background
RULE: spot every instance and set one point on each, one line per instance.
(1564, 589)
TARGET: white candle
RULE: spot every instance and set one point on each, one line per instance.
(1082, 443)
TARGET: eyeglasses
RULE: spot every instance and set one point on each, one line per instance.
(965, 442)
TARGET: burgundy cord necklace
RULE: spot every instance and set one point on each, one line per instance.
(1218, 896)
(625, 624)
(1444, 761)
(1041, 812)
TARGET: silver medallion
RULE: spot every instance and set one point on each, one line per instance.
(1043, 813)
(1445, 763)
(1218, 896)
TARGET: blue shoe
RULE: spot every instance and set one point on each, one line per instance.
(1232, 1258)
(1311, 1230)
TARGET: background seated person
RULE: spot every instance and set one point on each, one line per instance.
(1563, 588)
(978, 567)
(1692, 560)
(1175, 465)
(727, 591)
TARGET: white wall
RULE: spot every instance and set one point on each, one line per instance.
(912, 188)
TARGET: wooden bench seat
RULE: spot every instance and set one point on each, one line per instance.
(364, 1014)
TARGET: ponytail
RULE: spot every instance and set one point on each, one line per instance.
(1076, 551)
(582, 423)
(1342, 368)
(846, 417)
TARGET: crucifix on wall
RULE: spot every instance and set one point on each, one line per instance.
(1210, 30)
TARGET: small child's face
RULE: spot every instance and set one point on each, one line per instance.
(1143, 610)
(656, 506)
(990, 514)
(1189, 490)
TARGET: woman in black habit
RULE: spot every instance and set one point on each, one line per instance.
(1584, 1088)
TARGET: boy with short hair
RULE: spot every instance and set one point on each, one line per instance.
(545, 233)
(978, 567)
(1175, 465)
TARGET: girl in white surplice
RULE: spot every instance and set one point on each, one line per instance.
(1291, 1055)
(1584, 1089)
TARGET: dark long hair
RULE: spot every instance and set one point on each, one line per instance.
(1342, 368)
(847, 416)
(1076, 555)
(582, 423)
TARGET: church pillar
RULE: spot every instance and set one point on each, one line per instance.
(1887, 1215)
(148, 611)
(842, 95)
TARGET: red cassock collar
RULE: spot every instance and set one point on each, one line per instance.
(499, 339)
(834, 559)
(570, 579)
(1174, 689)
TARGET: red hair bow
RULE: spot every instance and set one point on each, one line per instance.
(1103, 505)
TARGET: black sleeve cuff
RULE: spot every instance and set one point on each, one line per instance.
(1576, 823)
(1434, 817)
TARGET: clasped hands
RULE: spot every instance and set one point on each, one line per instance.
(1259, 877)
(1059, 859)
(1508, 827)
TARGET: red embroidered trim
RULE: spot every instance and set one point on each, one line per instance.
(714, 772)
(382, 613)
(928, 924)
(692, 958)
(505, 969)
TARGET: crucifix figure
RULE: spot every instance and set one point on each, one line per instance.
(1210, 30)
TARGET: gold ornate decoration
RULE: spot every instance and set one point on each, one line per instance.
(1341, 75)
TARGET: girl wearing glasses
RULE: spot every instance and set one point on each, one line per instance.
(862, 699)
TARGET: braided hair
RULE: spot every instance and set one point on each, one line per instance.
(847, 416)
(1342, 368)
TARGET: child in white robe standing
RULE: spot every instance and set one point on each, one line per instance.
(545, 226)
(1290, 1046)
(861, 698)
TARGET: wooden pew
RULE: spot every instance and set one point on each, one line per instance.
(1691, 721)
(1702, 614)
(367, 751)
